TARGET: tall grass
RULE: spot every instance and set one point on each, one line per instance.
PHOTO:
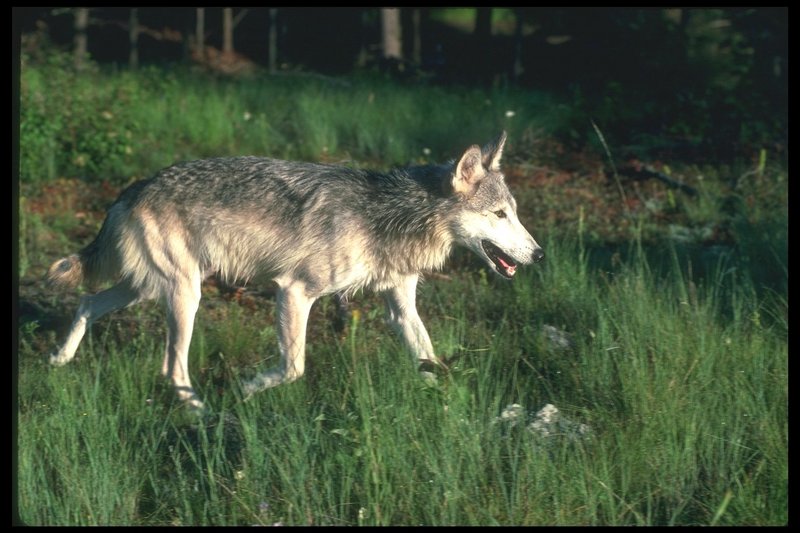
(120, 124)
(688, 412)
(679, 366)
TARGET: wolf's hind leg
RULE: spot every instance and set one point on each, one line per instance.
(293, 308)
(91, 308)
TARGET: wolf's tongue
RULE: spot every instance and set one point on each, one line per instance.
(510, 269)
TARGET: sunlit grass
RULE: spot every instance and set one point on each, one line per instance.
(126, 124)
(687, 410)
(677, 357)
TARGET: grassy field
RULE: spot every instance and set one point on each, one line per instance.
(117, 125)
(676, 356)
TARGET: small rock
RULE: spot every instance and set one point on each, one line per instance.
(557, 339)
(546, 423)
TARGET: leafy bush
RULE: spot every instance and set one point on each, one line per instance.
(100, 125)
(78, 123)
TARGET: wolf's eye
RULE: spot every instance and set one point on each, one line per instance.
(500, 213)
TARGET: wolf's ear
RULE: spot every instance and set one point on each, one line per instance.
(492, 153)
(469, 172)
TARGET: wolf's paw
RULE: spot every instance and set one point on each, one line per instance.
(191, 400)
(267, 380)
(429, 378)
(250, 388)
(431, 366)
(59, 359)
(196, 406)
(429, 369)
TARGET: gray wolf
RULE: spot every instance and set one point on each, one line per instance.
(314, 229)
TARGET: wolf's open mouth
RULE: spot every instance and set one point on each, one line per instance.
(502, 263)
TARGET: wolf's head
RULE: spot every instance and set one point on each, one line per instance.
(487, 222)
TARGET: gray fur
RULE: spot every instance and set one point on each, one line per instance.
(314, 229)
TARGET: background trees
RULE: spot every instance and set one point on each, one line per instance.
(679, 75)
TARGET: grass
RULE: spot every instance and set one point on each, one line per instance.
(689, 412)
(118, 125)
(678, 358)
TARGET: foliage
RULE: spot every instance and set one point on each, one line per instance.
(676, 308)
(705, 81)
(688, 412)
(74, 124)
(711, 82)
(109, 125)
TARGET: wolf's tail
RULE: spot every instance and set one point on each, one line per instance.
(66, 273)
(94, 264)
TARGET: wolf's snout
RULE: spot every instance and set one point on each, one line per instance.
(537, 255)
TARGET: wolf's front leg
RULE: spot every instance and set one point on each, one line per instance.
(401, 302)
(92, 308)
(293, 308)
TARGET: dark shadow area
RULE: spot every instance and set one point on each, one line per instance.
(697, 84)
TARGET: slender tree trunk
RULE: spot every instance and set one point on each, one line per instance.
(392, 36)
(483, 23)
(363, 55)
(80, 25)
(133, 34)
(484, 58)
(187, 39)
(416, 50)
(273, 40)
(200, 32)
(517, 68)
(227, 30)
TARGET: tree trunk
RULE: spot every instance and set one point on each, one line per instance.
(227, 30)
(272, 35)
(483, 23)
(80, 25)
(517, 68)
(133, 34)
(363, 54)
(200, 32)
(484, 59)
(392, 36)
(416, 50)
